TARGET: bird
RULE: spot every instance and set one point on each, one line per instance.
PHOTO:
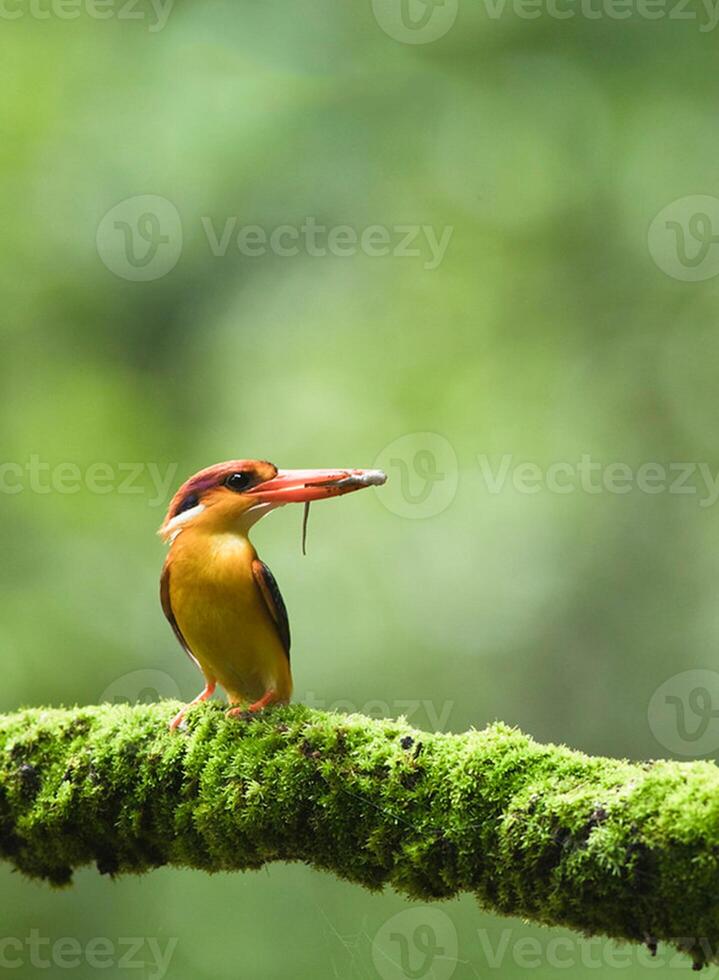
(222, 601)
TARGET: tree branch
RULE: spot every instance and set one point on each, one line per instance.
(601, 845)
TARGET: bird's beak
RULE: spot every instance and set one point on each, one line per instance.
(303, 486)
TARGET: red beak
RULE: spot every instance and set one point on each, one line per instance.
(302, 486)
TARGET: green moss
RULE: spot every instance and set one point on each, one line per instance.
(601, 845)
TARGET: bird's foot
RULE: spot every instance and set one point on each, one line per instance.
(178, 720)
(268, 698)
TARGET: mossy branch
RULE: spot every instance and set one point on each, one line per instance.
(601, 845)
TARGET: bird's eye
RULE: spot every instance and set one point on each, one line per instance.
(238, 481)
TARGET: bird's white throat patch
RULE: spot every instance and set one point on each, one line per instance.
(174, 526)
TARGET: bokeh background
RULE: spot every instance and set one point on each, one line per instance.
(563, 321)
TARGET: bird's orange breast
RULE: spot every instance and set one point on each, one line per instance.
(223, 616)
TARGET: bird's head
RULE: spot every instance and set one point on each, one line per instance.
(230, 497)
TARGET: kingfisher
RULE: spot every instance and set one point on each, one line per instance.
(221, 600)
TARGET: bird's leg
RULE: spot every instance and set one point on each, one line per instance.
(208, 691)
(269, 697)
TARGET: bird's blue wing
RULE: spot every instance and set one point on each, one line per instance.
(273, 600)
(170, 616)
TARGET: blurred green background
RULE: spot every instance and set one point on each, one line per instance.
(561, 322)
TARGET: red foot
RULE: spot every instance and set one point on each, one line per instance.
(267, 698)
(203, 696)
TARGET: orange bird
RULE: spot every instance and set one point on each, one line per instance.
(221, 601)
